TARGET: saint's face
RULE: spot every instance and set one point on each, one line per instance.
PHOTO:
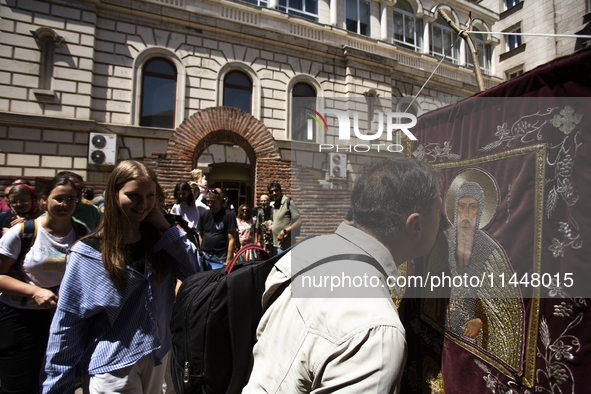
(467, 212)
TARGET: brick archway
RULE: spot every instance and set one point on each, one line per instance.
(214, 125)
(217, 124)
(321, 210)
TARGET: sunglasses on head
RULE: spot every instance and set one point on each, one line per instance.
(214, 192)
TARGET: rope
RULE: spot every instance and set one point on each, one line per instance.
(492, 32)
(430, 76)
(505, 33)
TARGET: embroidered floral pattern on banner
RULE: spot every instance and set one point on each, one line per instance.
(556, 354)
(432, 153)
(560, 161)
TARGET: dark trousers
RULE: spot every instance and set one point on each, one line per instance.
(23, 340)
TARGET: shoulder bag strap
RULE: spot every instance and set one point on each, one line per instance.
(28, 235)
(355, 257)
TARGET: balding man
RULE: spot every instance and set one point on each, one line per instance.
(264, 225)
(217, 230)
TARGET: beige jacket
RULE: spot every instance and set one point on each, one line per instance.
(322, 345)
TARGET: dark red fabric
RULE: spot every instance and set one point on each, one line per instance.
(563, 359)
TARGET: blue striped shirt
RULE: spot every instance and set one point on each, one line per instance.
(103, 329)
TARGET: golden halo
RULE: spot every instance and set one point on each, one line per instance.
(488, 185)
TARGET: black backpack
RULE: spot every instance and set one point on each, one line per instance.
(214, 322)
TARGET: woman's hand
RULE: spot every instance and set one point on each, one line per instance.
(157, 219)
(45, 298)
(16, 221)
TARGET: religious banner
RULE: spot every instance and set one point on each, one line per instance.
(505, 301)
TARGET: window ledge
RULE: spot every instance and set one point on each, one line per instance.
(485, 73)
(44, 95)
(511, 11)
(512, 52)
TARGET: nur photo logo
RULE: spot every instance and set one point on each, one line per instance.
(394, 122)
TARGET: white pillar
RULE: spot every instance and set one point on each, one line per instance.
(426, 40)
(462, 59)
(384, 21)
(324, 12)
(334, 8)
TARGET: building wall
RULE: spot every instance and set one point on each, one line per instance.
(569, 20)
(73, 62)
(95, 84)
(541, 17)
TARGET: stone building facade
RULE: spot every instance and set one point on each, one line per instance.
(72, 68)
(516, 55)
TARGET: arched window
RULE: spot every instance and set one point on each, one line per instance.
(158, 93)
(238, 91)
(483, 50)
(405, 107)
(443, 39)
(408, 31)
(357, 16)
(303, 96)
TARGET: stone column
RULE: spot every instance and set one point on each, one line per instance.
(384, 11)
(426, 38)
(462, 60)
(334, 9)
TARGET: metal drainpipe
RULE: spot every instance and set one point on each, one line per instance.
(555, 29)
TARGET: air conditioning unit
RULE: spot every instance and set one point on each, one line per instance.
(337, 166)
(102, 149)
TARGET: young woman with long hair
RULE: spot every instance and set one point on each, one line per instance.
(112, 319)
(29, 286)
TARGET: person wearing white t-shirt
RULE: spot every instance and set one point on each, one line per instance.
(185, 204)
(30, 287)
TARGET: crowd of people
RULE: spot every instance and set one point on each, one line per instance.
(132, 251)
(87, 292)
(219, 230)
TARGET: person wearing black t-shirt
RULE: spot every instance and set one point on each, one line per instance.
(217, 230)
